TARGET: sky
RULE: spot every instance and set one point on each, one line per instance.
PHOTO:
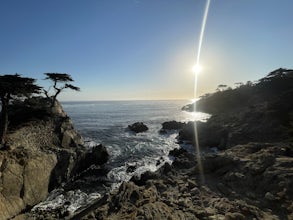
(144, 49)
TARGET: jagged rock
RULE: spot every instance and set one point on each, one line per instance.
(141, 180)
(171, 125)
(131, 167)
(23, 181)
(43, 152)
(138, 127)
(231, 189)
(209, 135)
(97, 156)
(183, 159)
(177, 152)
(70, 138)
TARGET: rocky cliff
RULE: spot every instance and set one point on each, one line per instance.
(42, 151)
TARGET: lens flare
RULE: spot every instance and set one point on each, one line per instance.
(197, 69)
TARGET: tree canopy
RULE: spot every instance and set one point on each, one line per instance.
(12, 86)
(59, 78)
(15, 85)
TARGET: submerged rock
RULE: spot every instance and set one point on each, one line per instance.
(138, 127)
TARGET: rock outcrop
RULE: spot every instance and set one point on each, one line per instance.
(249, 181)
(209, 134)
(42, 152)
(171, 125)
(138, 127)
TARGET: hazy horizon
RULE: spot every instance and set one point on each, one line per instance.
(144, 50)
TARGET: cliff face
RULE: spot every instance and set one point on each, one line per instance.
(40, 154)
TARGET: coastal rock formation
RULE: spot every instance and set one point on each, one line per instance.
(43, 150)
(251, 177)
(249, 181)
(209, 134)
(138, 127)
(171, 125)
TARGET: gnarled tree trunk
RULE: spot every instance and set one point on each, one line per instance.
(4, 120)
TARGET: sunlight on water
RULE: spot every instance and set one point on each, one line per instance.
(197, 116)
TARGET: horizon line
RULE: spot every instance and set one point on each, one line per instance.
(121, 100)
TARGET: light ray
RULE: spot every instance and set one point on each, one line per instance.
(198, 153)
(203, 25)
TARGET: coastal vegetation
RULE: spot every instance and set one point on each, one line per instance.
(277, 85)
(13, 87)
(21, 89)
(58, 78)
(246, 148)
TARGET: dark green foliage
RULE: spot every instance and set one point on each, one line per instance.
(58, 78)
(268, 89)
(261, 111)
(15, 85)
(31, 109)
(11, 87)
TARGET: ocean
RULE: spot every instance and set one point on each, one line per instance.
(106, 122)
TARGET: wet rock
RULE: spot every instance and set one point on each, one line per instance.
(131, 167)
(141, 180)
(97, 156)
(171, 125)
(209, 135)
(177, 152)
(138, 127)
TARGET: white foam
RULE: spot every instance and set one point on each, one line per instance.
(70, 201)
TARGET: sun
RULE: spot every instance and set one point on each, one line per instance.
(197, 68)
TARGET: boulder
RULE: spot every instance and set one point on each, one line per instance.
(138, 127)
(99, 155)
(172, 125)
(177, 152)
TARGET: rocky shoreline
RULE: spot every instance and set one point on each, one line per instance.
(42, 152)
(250, 181)
(246, 157)
(249, 176)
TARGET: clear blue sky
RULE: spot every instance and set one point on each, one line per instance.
(144, 49)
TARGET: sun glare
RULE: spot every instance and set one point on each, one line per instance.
(197, 68)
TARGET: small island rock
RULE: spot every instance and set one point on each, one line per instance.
(138, 127)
